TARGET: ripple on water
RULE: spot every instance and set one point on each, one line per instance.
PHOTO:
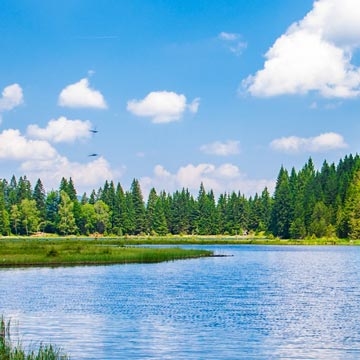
(262, 303)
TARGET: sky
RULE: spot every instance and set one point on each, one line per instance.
(179, 92)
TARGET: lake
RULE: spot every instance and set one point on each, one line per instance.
(262, 302)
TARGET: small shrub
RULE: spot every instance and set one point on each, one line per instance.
(52, 253)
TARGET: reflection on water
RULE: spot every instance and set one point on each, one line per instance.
(261, 303)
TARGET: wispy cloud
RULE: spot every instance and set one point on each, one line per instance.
(229, 147)
(233, 42)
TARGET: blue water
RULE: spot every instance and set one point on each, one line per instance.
(263, 302)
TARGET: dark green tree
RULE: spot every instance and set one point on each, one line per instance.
(139, 208)
(281, 215)
(39, 195)
(159, 220)
(51, 211)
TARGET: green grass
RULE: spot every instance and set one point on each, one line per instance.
(14, 351)
(84, 251)
(62, 251)
(233, 240)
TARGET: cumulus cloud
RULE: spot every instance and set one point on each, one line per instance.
(81, 95)
(162, 106)
(61, 130)
(233, 42)
(12, 96)
(314, 54)
(225, 177)
(38, 159)
(86, 176)
(14, 146)
(322, 143)
(229, 147)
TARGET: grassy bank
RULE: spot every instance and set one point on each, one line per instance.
(86, 251)
(14, 351)
(232, 240)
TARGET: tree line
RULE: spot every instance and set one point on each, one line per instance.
(308, 202)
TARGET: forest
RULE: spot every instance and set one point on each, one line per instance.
(305, 203)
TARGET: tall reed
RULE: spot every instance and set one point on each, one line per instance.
(11, 351)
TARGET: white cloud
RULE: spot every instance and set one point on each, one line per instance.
(12, 96)
(223, 178)
(14, 146)
(61, 130)
(81, 95)
(233, 42)
(86, 176)
(229, 147)
(38, 159)
(314, 55)
(323, 142)
(162, 106)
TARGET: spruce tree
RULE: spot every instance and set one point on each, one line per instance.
(139, 208)
(281, 210)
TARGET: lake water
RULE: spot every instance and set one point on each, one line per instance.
(263, 302)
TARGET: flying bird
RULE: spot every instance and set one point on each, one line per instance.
(94, 154)
(94, 131)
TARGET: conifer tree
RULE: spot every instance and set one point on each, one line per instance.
(150, 210)
(139, 207)
(51, 211)
(159, 220)
(39, 196)
(281, 211)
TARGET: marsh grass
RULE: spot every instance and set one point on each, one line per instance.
(14, 351)
(85, 251)
(233, 240)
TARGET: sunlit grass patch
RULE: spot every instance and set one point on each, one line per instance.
(73, 251)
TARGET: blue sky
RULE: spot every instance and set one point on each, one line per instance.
(181, 92)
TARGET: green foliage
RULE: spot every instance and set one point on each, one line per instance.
(305, 203)
(66, 224)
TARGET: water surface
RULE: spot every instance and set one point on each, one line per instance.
(263, 302)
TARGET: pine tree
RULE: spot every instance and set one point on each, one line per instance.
(51, 211)
(159, 220)
(150, 210)
(281, 216)
(351, 214)
(129, 215)
(23, 190)
(118, 211)
(139, 208)
(39, 196)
